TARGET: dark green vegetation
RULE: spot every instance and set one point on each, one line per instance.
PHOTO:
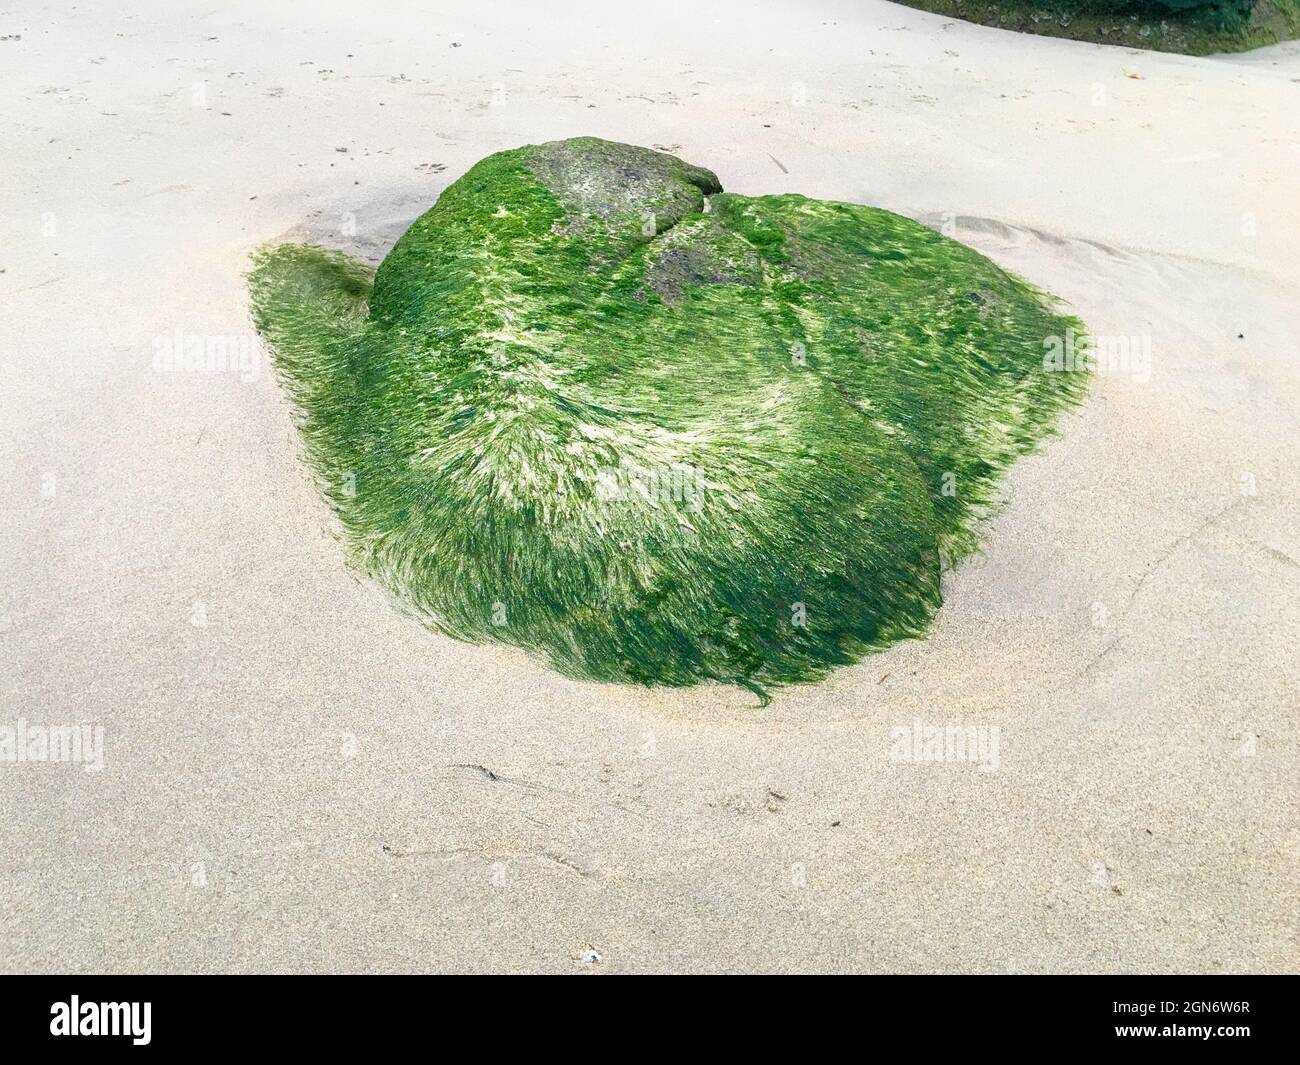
(592, 406)
(1193, 27)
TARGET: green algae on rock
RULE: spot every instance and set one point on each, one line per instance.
(592, 406)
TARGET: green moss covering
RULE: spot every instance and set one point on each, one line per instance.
(1191, 27)
(594, 407)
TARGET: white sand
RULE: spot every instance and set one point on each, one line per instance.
(282, 788)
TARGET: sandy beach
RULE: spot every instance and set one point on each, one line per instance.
(294, 777)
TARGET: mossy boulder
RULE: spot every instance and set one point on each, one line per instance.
(593, 406)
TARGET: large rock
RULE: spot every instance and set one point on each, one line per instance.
(596, 407)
